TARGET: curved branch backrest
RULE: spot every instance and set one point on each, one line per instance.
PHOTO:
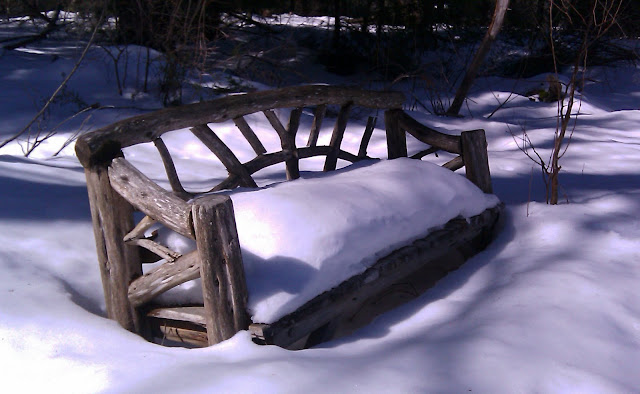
(103, 145)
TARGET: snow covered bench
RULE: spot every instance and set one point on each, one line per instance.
(293, 262)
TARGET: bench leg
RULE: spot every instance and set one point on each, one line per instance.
(224, 287)
(120, 264)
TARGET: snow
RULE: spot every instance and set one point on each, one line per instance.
(551, 306)
(303, 237)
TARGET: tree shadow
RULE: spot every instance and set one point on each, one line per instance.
(29, 200)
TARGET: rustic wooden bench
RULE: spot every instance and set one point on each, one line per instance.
(117, 190)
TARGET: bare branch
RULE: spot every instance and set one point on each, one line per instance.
(58, 90)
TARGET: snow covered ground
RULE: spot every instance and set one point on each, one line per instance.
(551, 306)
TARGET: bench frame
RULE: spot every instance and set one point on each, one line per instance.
(117, 189)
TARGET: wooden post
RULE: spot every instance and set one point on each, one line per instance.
(318, 117)
(287, 140)
(224, 287)
(366, 137)
(336, 137)
(120, 264)
(476, 161)
(396, 137)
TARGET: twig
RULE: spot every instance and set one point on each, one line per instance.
(58, 90)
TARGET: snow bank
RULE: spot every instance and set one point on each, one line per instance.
(303, 237)
(552, 305)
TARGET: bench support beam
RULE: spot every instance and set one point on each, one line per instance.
(476, 160)
(112, 218)
(224, 287)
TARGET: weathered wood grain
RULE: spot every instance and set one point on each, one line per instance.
(170, 169)
(425, 152)
(188, 335)
(159, 250)
(211, 140)
(266, 160)
(102, 145)
(249, 135)
(180, 325)
(192, 314)
(167, 276)
(454, 164)
(269, 159)
(294, 122)
(288, 144)
(396, 137)
(150, 198)
(316, 125)
(312, 151)
(476, 161)
(112, 218)
(138, 231)
(366, 136)
(224, 288)
(336, 137)
(449, 143)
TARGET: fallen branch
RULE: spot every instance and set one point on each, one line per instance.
(52, 24)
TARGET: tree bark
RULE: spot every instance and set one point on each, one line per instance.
(485, 45)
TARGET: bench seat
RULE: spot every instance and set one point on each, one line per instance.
(303, 237)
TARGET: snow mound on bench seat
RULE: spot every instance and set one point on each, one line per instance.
(303, 237)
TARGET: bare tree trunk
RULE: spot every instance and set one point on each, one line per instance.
(485, 45)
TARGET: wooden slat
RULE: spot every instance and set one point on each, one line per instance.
(173, 331)
(159, 250)
(231, 182)
(191, 314)
(294, 121)
(112, 218)
(312, 151)
(293, 164)
(267, 160)
(449, 143)
(476, 160)
(102, 145)
(138, 231)
(288, 143)
(179, 324)
(170, 169)
(336, 137)
(276, 124)
(350, 295)
(396, 137)
(222, 151)
(454, 164)
(249, 135)
(167, 276)
(150, 198)
(366, 137)
(318, 117)
(224, 287)
(425, 152)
